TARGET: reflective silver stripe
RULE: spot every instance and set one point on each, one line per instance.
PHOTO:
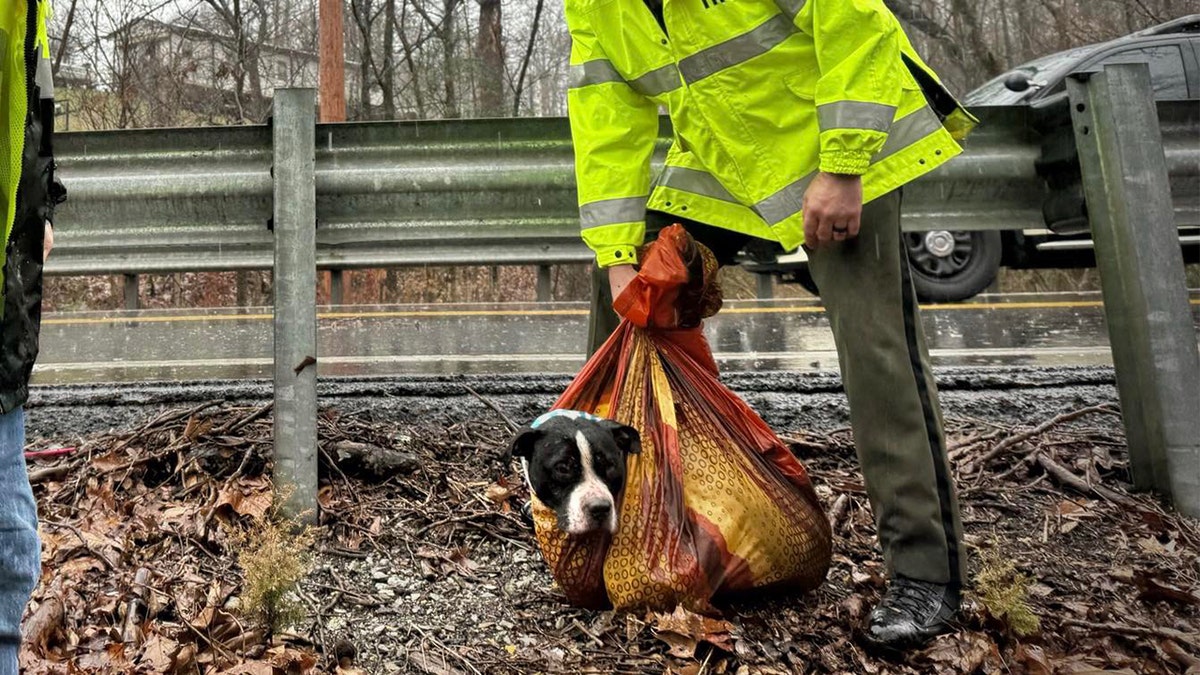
(855, 115)
(43, 79)
(737, 50)
(695, 182)
(785, 203)
(598, 71)
(612, 212)
(601, 71)
(790, 7)
(909, 130)
(658, 81)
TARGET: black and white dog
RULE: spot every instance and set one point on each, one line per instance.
(575, 463)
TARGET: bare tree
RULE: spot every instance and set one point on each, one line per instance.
(533, 31)
(489, 48)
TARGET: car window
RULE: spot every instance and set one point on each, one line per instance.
(1167, 74)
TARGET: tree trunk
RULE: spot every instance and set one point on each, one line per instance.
(489, 50)
(967, 13)
(388, 85)
(533, 31)
(332, 85)
(449, 73)
(66, 36)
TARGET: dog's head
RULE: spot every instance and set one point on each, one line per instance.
(575, 464)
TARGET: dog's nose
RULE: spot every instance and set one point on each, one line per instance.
(599, 511)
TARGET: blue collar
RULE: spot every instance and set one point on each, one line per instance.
(570, 414)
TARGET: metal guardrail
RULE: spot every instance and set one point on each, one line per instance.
(462, 192)
(502, 192)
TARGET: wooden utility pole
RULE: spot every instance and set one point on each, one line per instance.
(332, 77)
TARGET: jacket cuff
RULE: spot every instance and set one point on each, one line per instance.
(847, 162)
(610, 256)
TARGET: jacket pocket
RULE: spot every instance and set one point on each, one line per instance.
(803, 84)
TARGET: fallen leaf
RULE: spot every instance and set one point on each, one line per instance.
(683, 631)
(961, 653)
(1034, 660)
(245, 500)
(1154, 589)
(498, 493)
(158, 653)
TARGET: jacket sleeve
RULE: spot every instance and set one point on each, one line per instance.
(613, 129)
(860, 84)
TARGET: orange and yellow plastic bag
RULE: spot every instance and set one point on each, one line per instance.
(715, 504)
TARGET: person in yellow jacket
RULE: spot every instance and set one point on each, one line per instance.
(28, 194)
(794, 122)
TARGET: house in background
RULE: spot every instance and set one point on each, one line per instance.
(208, 72)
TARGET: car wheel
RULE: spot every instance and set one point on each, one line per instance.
(951, 266)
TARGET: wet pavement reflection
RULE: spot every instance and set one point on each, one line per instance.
(1046, 329)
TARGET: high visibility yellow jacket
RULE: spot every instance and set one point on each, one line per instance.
(29, 189)
(762, 95)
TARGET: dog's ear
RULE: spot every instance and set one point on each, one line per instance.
(627, 438)
(522, 444)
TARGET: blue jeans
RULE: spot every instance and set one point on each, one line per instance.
(20, 550)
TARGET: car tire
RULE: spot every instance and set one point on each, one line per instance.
(952, 266)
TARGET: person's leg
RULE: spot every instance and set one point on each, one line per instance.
(894, 411)
(20, 550)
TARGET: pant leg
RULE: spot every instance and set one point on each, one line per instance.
(894, 411)
(20, 550)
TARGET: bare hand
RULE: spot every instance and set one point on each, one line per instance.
(619, 277)
(47, 241)
(832, 209)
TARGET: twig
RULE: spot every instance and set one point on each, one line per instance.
(45, 454)
(232, 426)
(1184, 659)
(583, 629)
(1137, 631)
(1068, 478)
(1042, 428)
(83, 540)
(49, 473)
(133, 612)
(512, 426)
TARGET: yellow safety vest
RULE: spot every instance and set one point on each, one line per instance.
(762, 95)
(14, 101)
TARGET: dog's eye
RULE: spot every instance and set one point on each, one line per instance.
(563, 470)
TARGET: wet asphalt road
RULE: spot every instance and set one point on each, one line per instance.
(792, 335)
(1006, 359)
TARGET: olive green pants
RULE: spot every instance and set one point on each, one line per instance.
(869, 299)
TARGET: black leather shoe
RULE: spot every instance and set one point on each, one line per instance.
(911, 614)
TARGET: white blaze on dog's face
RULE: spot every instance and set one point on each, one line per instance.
(575, 464)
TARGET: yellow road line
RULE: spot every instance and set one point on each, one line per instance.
(432, 314)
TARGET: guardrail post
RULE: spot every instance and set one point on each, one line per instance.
(337, 287)
(545, 283)
(766, 286)
(1150, 327)
(295, 287)
(131, 291)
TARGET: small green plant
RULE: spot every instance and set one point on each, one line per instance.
(1004, 592)
(275, 554)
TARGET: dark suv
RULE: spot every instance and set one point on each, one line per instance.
(948, 265)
